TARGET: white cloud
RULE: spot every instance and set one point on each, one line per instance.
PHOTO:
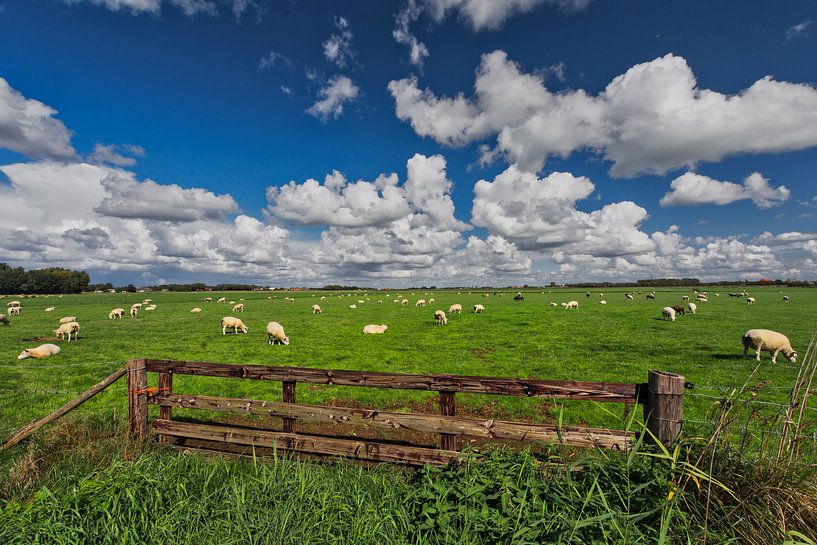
(651, 119)
(29, 127)
(286, 90)
(190, 8)
(418, 52)
(338, 47)
(800, 30)
(492, 14)
(337, 92)
(114, 154)
(693, 189)
(272, 58)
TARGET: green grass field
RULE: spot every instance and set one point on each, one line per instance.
(619, 341)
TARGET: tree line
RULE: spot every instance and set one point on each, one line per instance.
(17, 280)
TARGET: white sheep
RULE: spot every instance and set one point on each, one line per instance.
(316, 309)
(275, 334)
(136, 305)
(769, 341)
(15, 311)
(669, 313)
(66, 329)
(554, 304)
(651, 295)
(116, 313)
(373, 329)
(685, 298)
(42, 351)
(628, 297)
(50, 309)
(750, 300)
(479, 309)
(208, 299)
(67, 319)
(221, 300)
(13, 304)
(195, 310)
(235, 323)
(404, 302)
(692, 307)
(239, 307)
(456, 308)
(323, 298)
(439, 317)
(602, 302)
(785, 298)
(147, 301)
(431, 301)
(420, 303)
(353, 306)
(571, 304)
(134, 311)
(150, 308)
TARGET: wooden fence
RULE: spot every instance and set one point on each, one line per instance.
(661, 396)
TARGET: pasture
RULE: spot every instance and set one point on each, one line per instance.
(616, 342)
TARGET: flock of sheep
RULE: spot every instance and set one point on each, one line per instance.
(757, 339)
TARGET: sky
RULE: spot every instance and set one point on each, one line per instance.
(410, 142)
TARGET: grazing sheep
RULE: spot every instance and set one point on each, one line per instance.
(316, 309)
(519, 297)
(275, 334)
(208, 299)
(232, 302)
(373, 329)
(685, 298)
(50, 309)
(571, 304)
(195, 310)
(116, 313)
(68, 319)
(13, 304)
(136, 305)
(769, 341)
(479, 309)
(651, 296)
(750, 300)
(353, 305)
(602, 302)
(679, 309)
(420, 303)
(692, 307)
(669, 313)
(235, 323)
(431, 301)
(221, 300)
(439, 317)
(239, 307)
(66, 329)
(785, 298)
(150, 308)
(456, 308)
(404, 302)
(587, 294)
(147, 301)
(323, 298)
(628, 297)
(134, 311)
(42, 351)
(15, 311)
(554, 304)
(4, 319)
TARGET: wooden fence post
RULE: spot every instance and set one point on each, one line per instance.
(289, 397)
(448, 441)
(664, 406)
(165, 389)
(137, 399)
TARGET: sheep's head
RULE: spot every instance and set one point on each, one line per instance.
(24, 354)
(245, 329)
(285, 341)
(792, 356)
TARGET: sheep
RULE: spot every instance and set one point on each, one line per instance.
(50, 309)
(42, 351)
(571, 304)
(323, 298)
(116, 313)
(134, 311)
(685, 298)
(373, 329)
(679, 309)
(147, 301)
(431, 301)
(208, 299)
(692, 307)
(353, 306)
(150, 308)
(13, 304)
(15, 311)
(239, 307)
(404, 302)
(4, 319)
(628, 297)
(602, 302)
(479, 309)
(769, 341)
(66, 329)
(232, 302)
(651, 296)
(669, 313)
(420, 303)
(554, 304)
(588, 294)
(750, 300)
(785, 298)
(136, 305)
(519, 297)
(439, 318)
(68, 319)
(316, 309)
(195, 310)
(235, 323)
(221, 300)
(275, 333)
(456, 308)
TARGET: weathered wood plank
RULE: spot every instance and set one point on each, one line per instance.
(349, 448)
(664, 405)
(448, 441)
(289, 397)
(454, 425)
(137, 399)
(591, 391)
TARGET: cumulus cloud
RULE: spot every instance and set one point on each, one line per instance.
(30, 127)
(492, 14)
(116, 155)
(651, 119)
(402, 34)
(127, 198)
(693, 189)
(338, 47)
(337, 92)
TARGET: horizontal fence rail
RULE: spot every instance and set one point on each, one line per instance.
(661, 396)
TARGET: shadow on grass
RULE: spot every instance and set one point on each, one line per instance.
(728, 356)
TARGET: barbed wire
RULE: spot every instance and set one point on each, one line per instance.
(751, 401)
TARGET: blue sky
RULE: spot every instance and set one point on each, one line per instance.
(613, 141)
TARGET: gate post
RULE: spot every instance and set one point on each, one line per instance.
(664, 406)
(137, 400)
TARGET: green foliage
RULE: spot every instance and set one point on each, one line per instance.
(51, 280)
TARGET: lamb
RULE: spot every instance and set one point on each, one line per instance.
(769, 341)
(4, 319)
(239, 307)
(785, 298)
(42, 351)
(316, 309)
(68, 319)
(439, 318)
(116, 313)
(572, 304)
(235, 323)
(420, 303)
(669, 313)
(50, 309)
(456, 308)
(750, 300)
(692, 307)
(134, 311)
(67, 329)
(373, 329)
(221, 300)
(431, 301)
(195, 310)
(15, 311)
(404, 302)
(679, 309)
(479, 309)
(275, 333)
